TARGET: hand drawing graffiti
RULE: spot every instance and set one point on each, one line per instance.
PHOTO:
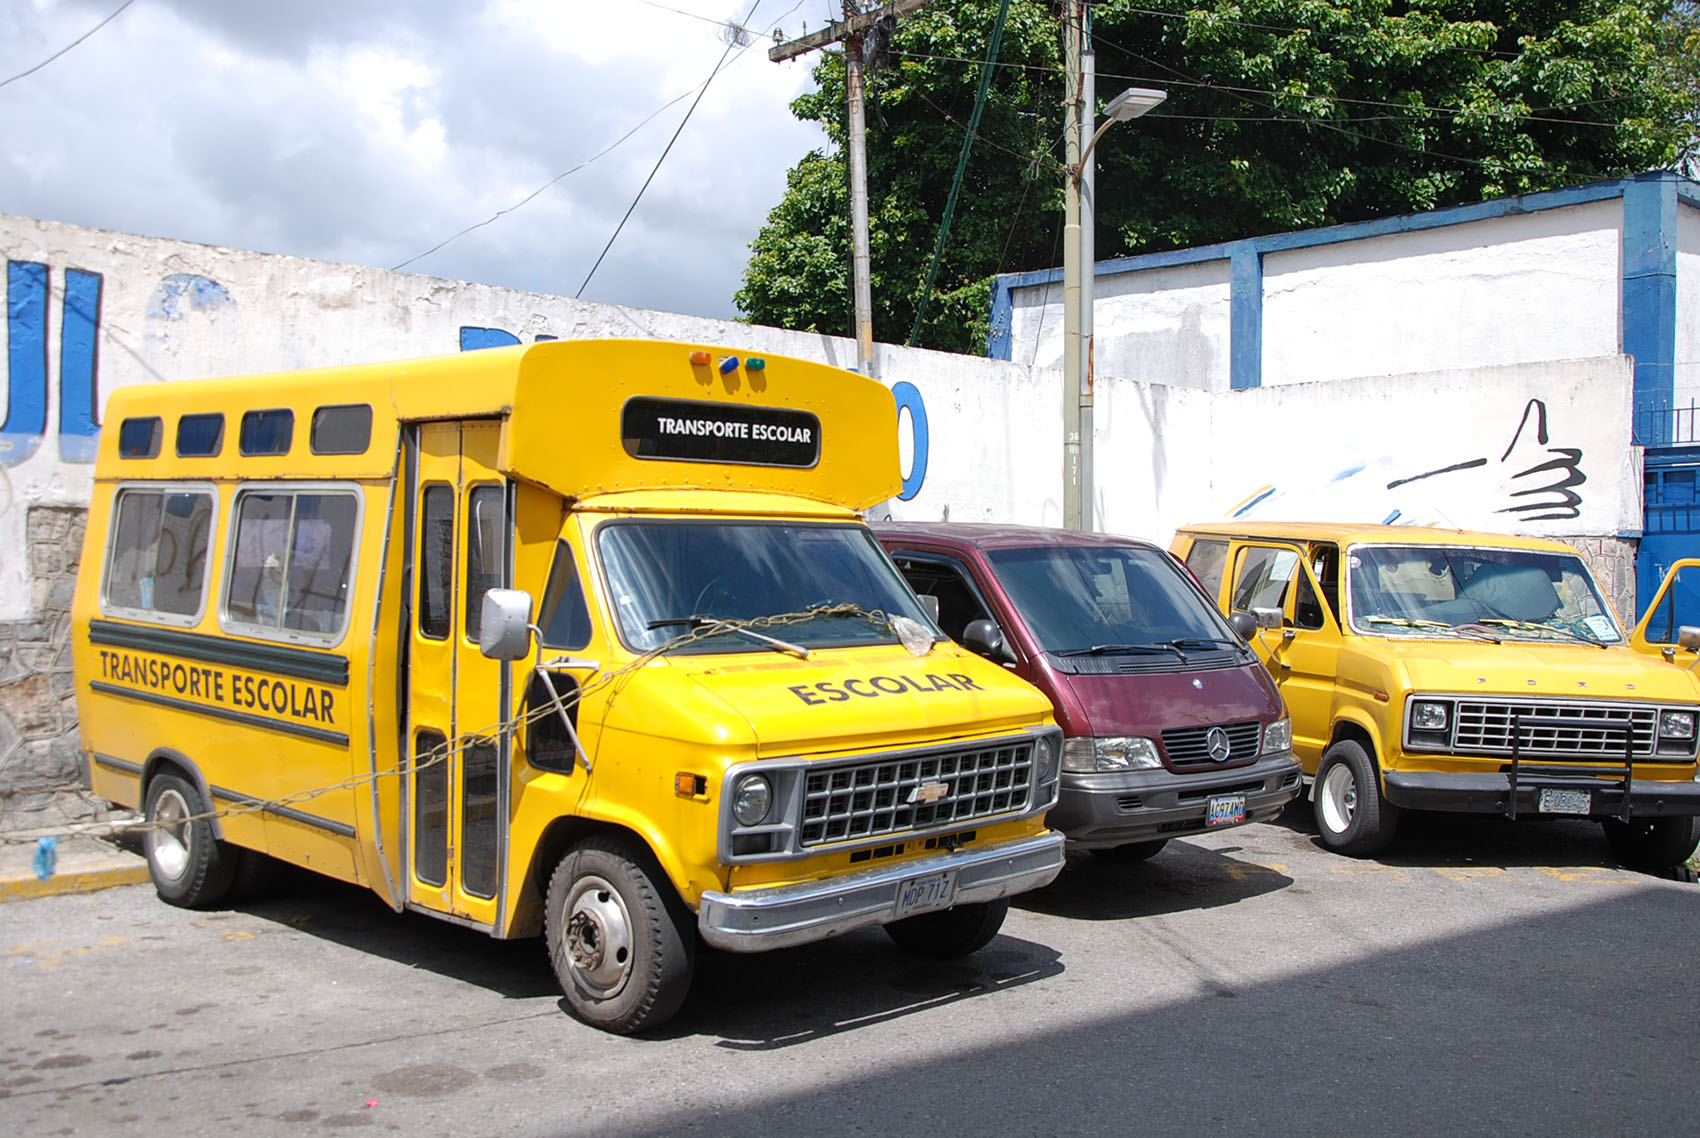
(1551, 485)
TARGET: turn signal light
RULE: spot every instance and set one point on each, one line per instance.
(699, 359)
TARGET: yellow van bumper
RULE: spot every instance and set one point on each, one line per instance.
(754, 920)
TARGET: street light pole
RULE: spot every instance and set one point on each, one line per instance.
(1078, 261)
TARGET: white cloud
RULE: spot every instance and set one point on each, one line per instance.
(370, 131)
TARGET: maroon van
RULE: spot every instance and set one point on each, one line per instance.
(1172, 725)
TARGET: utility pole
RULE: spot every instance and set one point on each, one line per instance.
(1075, 512)
(849, 32)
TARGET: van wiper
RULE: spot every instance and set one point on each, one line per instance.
(715, 624)
(1119, 649)
(1201, 642)
(1408, 622)
(1536, 626)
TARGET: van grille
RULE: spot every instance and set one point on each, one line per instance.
(915, 792)
(1484, 727)
(1189, 747)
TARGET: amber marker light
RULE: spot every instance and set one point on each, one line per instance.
(1380, 696)
(700, 359)
(688, 785)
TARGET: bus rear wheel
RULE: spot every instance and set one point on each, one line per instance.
(618, 938)
(190, 868)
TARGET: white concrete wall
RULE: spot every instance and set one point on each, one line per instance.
(1166, 326)
(1539, 286)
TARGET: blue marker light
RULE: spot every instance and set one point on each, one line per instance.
(728, 365)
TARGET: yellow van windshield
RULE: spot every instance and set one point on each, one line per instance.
(1510, 593)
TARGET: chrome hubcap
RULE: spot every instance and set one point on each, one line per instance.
(599, 936)
(168, 845)
(1339, 798)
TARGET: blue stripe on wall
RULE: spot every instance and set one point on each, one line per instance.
(1245, 317)
(1649, 299)
(78, 365)
(26, 361)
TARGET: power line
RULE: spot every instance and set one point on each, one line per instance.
(69, 46)
(703, 90)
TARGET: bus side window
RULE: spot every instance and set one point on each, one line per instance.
(485, 553)
(157, 560)
(293, 560)
(565, 622)
(436, 559)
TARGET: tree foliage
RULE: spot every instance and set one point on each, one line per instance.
(1281, 115)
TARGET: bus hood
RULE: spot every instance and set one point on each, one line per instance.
(865, 698)
(1545, 668)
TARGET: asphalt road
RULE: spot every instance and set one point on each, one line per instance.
(1483, 978)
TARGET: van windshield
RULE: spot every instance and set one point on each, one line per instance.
(1077, 599)
(666, 577)
(1527, 594)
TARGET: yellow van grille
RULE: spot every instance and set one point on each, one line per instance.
(1591, 730)
(916, 792)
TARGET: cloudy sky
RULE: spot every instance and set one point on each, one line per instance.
(369, 131)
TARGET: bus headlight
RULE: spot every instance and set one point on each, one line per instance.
(1676, 725)
(1111, 753)
(751, 799)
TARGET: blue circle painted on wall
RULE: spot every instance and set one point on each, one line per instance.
(909, 399)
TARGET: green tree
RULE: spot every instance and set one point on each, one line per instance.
(1282, 114)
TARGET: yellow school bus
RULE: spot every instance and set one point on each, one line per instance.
(582, 638)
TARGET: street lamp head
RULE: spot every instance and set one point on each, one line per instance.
(1133, 102)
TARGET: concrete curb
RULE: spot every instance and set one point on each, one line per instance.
(84, 865)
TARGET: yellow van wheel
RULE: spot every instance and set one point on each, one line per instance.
(190, 868)
(1651, 843)
(1351, 815)
(619, 938)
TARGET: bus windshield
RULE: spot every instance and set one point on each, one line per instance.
(674, 578)
(1528, 594)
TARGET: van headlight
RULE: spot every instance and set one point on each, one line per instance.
(1427, 715)
(1045, 757)
(1676, 725)
(1278, 736)
(1111, 753)
(751, 799)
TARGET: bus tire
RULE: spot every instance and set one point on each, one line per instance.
(1132, 851)
(950, 933)
(190, 868)
(1352, 817)
(619, 939)
(1651, 843)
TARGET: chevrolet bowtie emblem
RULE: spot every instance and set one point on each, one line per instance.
(928, 793)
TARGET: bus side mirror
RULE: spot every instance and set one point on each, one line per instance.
(504, 631)
(1688, 637)
(983, 637)
(1243, 623)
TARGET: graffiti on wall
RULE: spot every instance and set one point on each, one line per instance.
(27, 310)
(1531, 480)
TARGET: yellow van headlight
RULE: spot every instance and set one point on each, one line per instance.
(1110, 753)
(751, 799)
(1428, 716)
(1676, 725)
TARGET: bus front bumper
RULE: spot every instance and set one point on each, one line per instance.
(754, 920)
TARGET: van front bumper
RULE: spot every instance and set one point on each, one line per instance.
(754, 920)
(1113, 809)
(1489, 792)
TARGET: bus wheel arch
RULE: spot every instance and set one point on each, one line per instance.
(620, 940)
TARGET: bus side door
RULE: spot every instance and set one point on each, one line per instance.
(457, 784)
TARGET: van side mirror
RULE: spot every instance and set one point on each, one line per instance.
(983, 637)
(1268, 618)
(504, 631)
(1688, 637)
(1243, 624)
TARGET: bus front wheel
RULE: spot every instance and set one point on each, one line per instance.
(618, 938)
(190, 868)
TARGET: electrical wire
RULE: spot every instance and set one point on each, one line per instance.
(701, 91)
(69, 46)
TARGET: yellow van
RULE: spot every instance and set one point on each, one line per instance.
(582, 638)
(1442, 670)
